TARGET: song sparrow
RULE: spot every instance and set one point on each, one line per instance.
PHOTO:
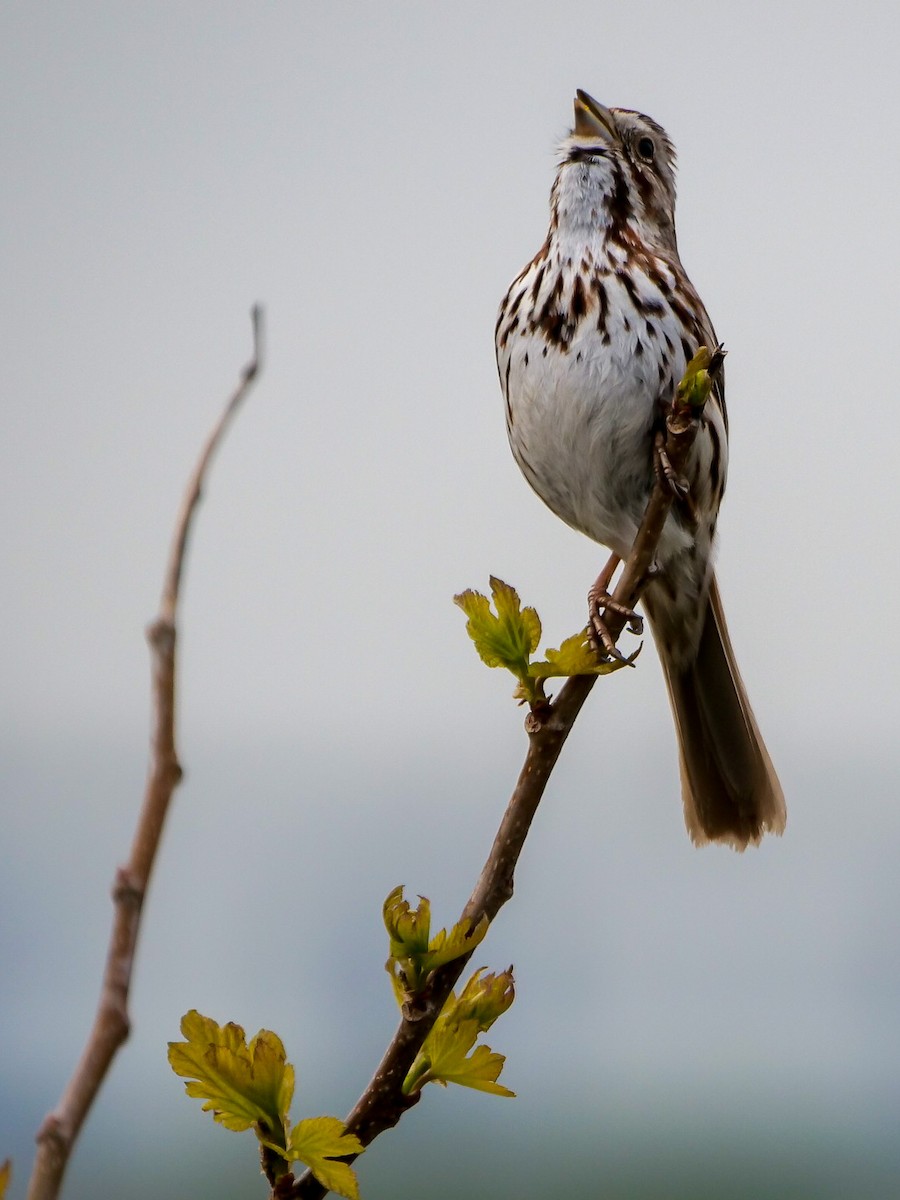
(592, 339)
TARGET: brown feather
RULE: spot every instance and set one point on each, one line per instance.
(730, 790)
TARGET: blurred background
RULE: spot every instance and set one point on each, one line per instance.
(689, 1023)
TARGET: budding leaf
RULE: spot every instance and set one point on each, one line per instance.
(414, 955)
(478, 1071)
(697, 381)
(463, 937)
(408, 927)
(507, 639)
(447, 1059)
(447, 1055)
(484, 998)
(244, 1086)
(318, 1142)
(576, 656)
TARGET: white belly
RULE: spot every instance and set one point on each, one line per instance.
(581, 428)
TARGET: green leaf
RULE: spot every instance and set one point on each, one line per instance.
(696, 383)
(524, 622)
(445, 1056)
(480, 1071)
(485, 997)
(414, 955)
(447, 1053)
(509, 636)
(244, 1086)
(317, 1142)
(462, 939)
(408, 927)
(576, 656)
(507, 639)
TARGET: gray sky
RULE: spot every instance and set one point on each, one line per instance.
(375, 176)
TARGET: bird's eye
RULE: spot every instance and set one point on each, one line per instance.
(646, 149)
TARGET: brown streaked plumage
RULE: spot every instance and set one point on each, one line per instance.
(592, 338)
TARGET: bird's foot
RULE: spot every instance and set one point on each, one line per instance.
(600, 602)
(666, 474)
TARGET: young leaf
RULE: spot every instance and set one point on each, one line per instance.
(478, 1071)
(317, 1142)
(576, 657)
(414, 955)
(696, 383)
(524, 621)
(461, 939)
(243, 1085)
(445, 1057)
(408, 927)
(507, 639)
(485, 998)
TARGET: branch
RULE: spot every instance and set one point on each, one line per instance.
(382, 1104)
(60, 1128)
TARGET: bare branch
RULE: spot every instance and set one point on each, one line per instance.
(60, 1128)
(382, 1104)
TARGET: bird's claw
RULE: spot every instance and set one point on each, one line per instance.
(666, 474)
(599, 603)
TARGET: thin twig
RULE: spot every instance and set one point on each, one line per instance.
(60, 1128)
(382, 1104)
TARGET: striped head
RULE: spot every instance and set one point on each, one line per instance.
(616, 176)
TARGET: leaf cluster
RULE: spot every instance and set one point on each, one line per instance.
(414, 954)
(250, 1086)
(509, 635)
(449, 1053)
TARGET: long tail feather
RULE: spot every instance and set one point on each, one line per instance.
(730, 790)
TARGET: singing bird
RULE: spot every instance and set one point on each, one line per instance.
(592, 339)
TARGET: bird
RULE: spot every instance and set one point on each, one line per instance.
(592, 339)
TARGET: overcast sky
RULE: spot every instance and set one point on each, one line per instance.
(375, 175)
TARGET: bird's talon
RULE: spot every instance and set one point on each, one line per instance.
(665, 472)
(602, 644)
(598, 634)
(600, 602)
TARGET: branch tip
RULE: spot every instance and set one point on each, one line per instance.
(60, 1129)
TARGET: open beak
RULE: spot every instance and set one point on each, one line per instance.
(593, 119)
